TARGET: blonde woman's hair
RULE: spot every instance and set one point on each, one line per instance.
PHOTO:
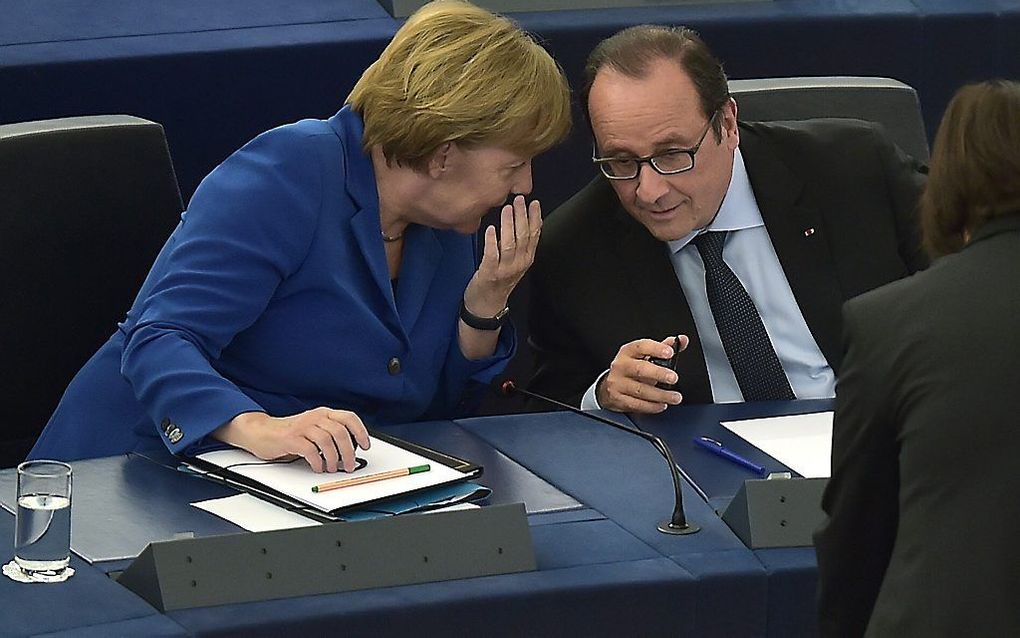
(458, 73)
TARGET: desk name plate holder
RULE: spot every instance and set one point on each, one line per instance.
(334, 557)
(776, 512)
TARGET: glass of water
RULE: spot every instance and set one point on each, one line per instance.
(42, 535)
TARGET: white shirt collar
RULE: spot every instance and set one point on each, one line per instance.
(738, 210)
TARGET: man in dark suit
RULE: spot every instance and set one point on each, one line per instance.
(923, 517)
(792, 219)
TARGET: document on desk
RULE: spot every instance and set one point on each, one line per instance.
(256, 515)
(295, 479)
(802, 442)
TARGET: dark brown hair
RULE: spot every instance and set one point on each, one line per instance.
(632, 50)
(975, 165)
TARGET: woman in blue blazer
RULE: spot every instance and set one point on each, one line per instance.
(325, 275)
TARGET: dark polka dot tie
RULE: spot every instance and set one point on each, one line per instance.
(747, 344)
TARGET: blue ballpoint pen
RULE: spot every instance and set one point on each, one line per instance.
(717, 448)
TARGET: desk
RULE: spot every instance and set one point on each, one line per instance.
(720, 480)
(88, 604)
(603, 569)
(792, 572)
(768, 591)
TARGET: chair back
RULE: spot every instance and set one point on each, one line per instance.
(86, 203)
(888, 102)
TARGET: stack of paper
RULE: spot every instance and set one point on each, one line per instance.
(296, 479)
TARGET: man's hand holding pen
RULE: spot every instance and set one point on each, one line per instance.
(631, 383)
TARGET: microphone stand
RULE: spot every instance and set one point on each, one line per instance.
(677, 524)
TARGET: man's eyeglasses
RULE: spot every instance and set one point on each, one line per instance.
(671, 162)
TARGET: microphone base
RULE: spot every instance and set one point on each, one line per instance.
(668, 527)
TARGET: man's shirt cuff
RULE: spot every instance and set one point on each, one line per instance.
(588, 401)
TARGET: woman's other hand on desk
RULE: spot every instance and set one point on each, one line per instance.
(323, 437)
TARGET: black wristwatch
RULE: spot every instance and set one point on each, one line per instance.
(483, 323)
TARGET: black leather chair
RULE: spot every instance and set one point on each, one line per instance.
(85, 205)
(888, 102)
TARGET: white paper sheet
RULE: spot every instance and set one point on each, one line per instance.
(802, 442)
(296, 479)
(254, 514)
(453, 508)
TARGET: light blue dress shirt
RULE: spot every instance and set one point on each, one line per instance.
(749, 254)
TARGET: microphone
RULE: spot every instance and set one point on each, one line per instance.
(677, 524)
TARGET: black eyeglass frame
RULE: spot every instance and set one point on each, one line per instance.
(650, 159)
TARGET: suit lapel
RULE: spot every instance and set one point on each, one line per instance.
(797, 230)
(365, 226)
(422, 255)
(659, 305)
(366, 230)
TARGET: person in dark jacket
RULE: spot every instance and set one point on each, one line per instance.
(921, 537)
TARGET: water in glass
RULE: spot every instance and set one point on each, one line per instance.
(43, 534)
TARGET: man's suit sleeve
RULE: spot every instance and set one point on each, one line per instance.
(905, 180)
(562, 369)
(861, 499)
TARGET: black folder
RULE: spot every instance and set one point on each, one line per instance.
(439, 494)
